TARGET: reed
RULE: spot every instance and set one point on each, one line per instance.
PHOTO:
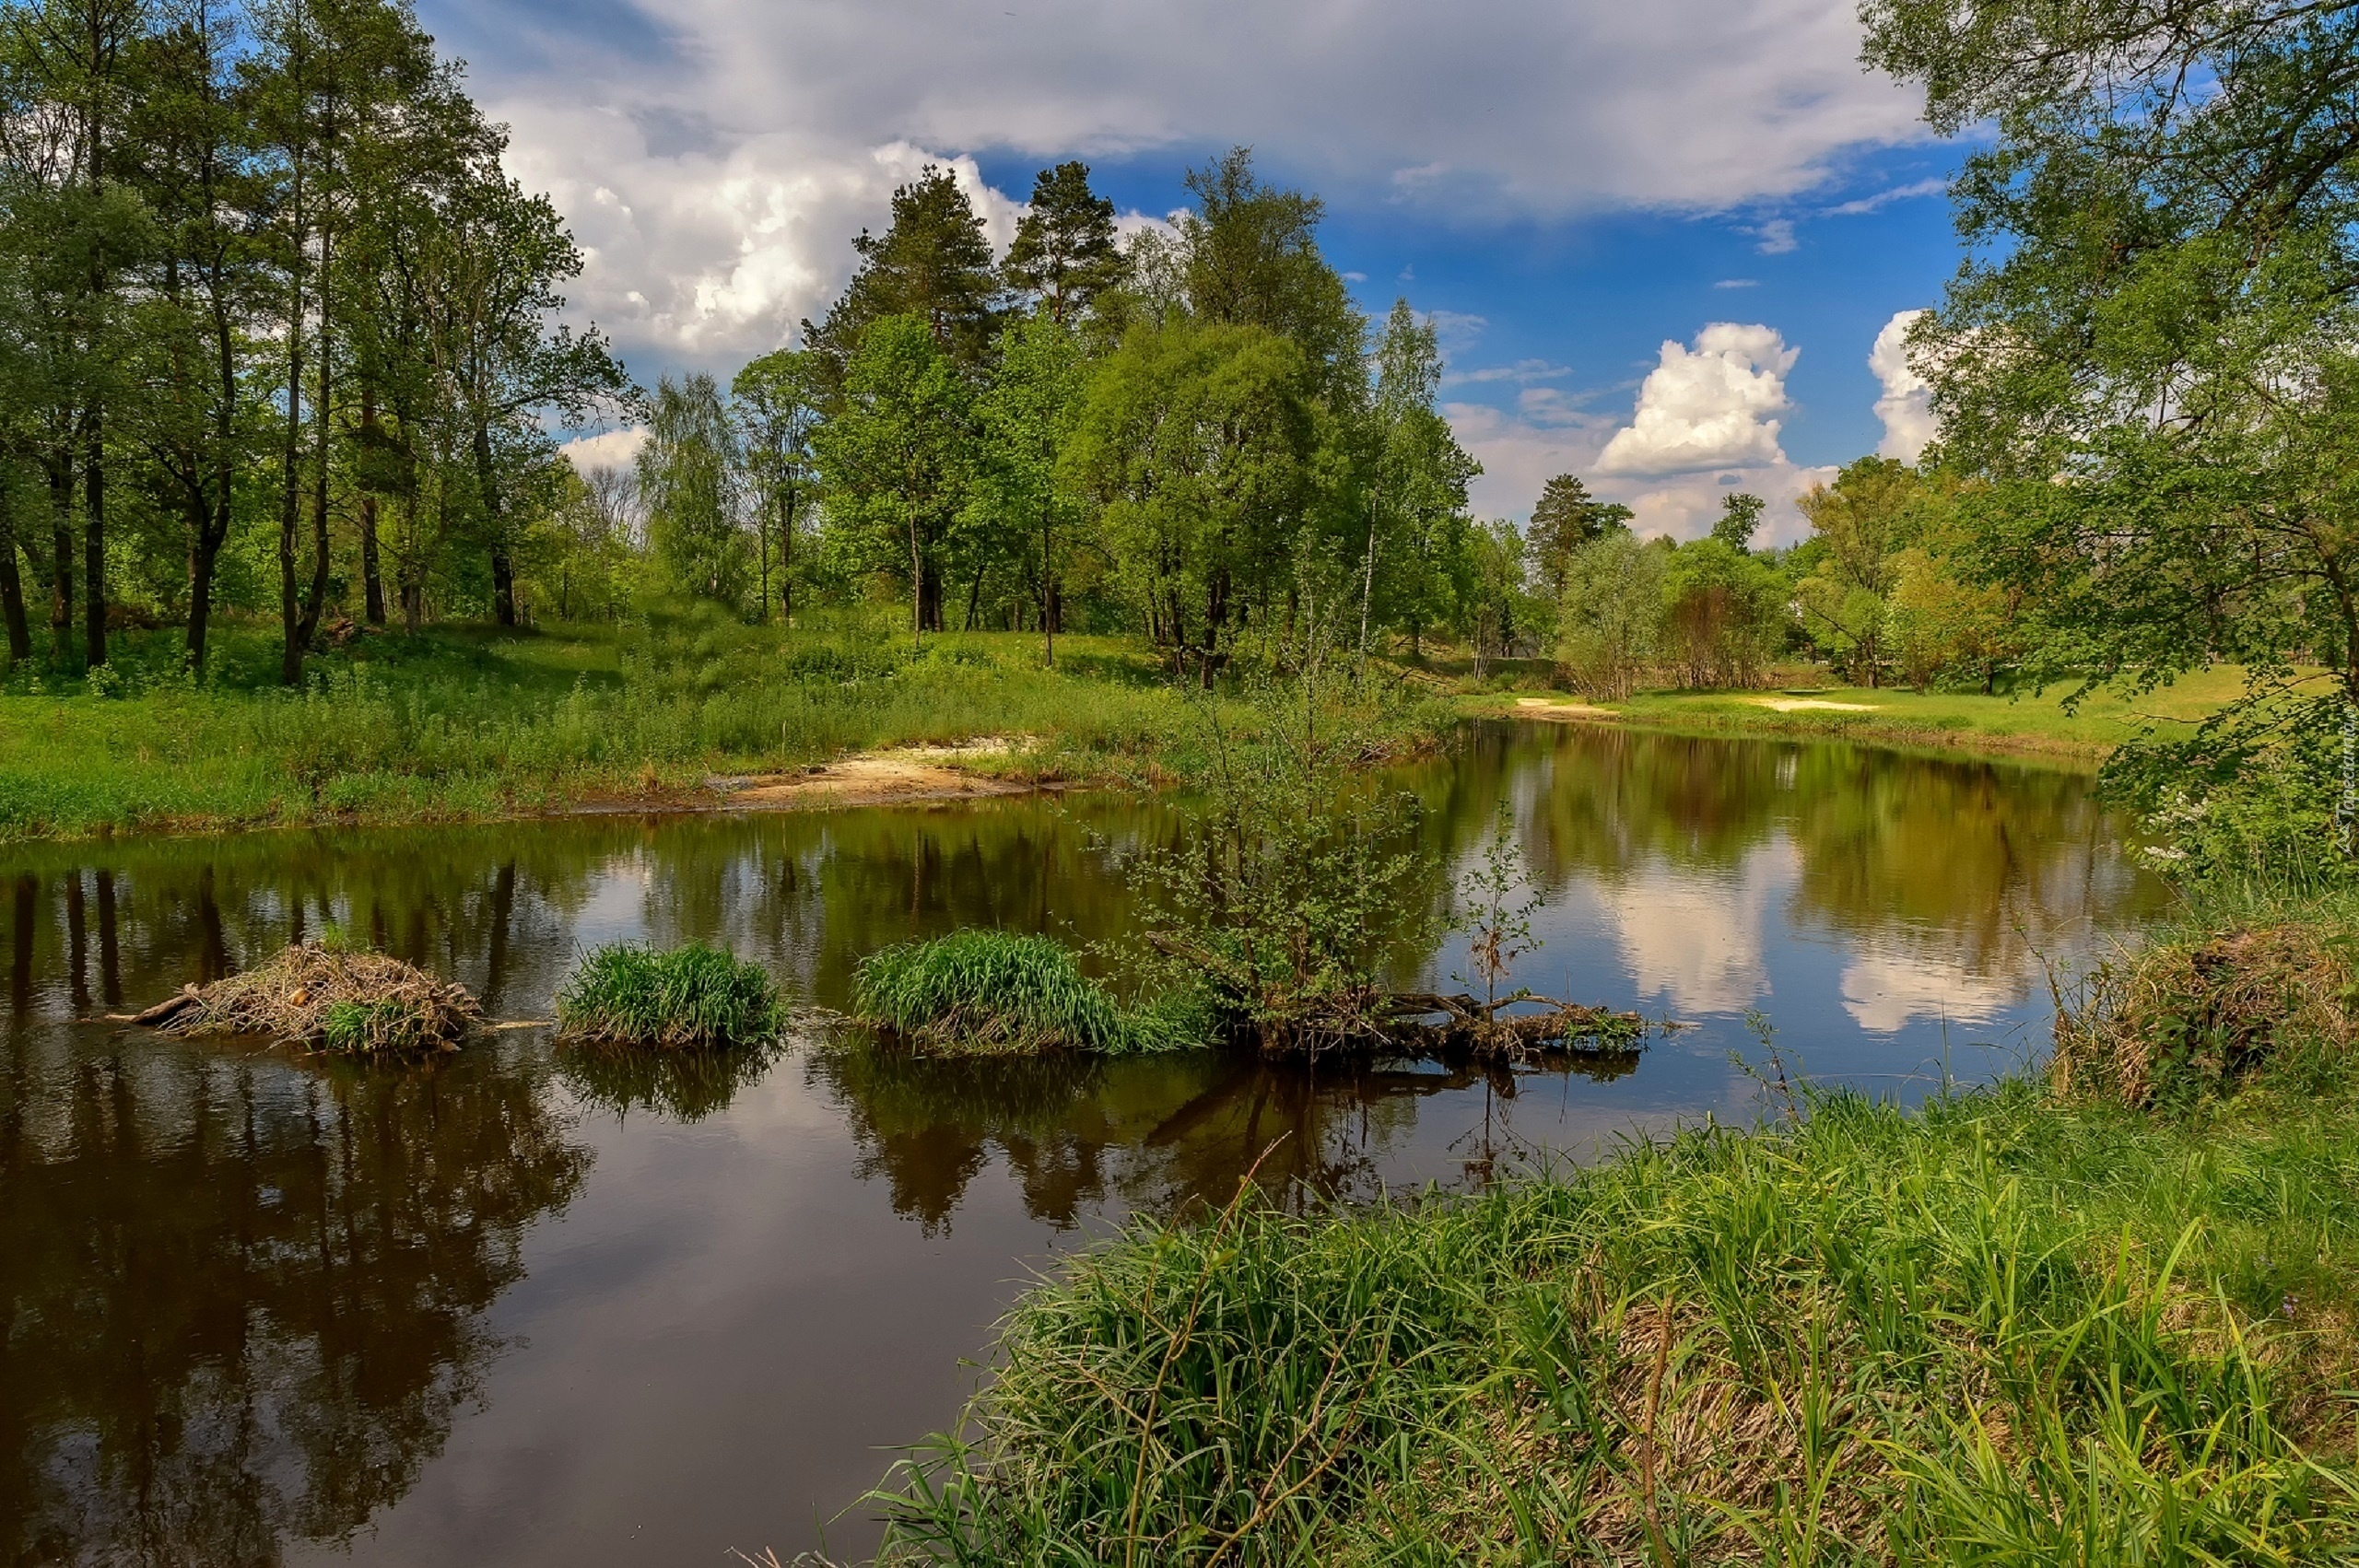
(690, 997)
(996, 992)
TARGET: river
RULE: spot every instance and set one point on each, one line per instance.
(520, 1307)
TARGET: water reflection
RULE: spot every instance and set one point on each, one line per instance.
(1166, 1135)
(253, 1302)
(245, 1295)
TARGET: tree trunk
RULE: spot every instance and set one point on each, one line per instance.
(12, 586)
(786, 561)
(61, 523)
(202, 555)
(504, 586)
(315, 601)
(290, 615)
(1048, 592)
(94, 538)
(373, 578)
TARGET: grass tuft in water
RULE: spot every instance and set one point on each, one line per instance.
(991, 991)
(688, 997)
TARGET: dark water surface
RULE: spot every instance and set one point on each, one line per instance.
(518, 1308)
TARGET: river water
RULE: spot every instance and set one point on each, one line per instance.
(518, 1308)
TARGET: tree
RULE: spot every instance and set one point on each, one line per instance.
(1611, 629)
(1065, 249)
(778, 398)
(1566, 517)
(73, 70)
(1724, 614)
(687, 480)
(1196, 441)
(893, 457)
(1740, 518)
(933, 261)
(1253, 260)
(205, 419)
(1858, 522)
(1417, 494)
(1026, 422)
(2158, 312)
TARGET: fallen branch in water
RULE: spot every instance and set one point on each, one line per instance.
(1486, 1028)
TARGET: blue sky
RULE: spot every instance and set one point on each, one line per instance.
(1567, 184)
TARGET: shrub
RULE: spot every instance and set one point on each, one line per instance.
(990, 990)
(690, 997)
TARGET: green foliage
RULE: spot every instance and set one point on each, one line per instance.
(1566, 517)
(1196, 441)
(691, 997)
(1996, 1331)
(1724, 614)
(1065, 247)
(1613, 632)
(2147, 361)
(1281, 898)
(894, 460)
(1739, 520)
(687, 480)
(933, 262)
(380, 1027)
(991, 991)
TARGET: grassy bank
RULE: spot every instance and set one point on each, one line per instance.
(2025, 722)
(2012, 1328)
(467, 723)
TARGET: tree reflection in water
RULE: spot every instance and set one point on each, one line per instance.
(1164, 1134)
(245, 1293)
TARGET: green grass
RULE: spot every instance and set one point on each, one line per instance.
(376, 1028)
(690, 997)
(463, 722)
(2006, 1329)
(2027, 721)
(995, 992)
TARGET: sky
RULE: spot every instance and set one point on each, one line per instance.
(1670, 245)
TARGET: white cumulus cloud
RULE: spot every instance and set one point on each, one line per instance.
(716, 156)
(1710, 407)
(1906, 405)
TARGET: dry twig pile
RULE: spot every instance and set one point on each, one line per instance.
(352, 1003)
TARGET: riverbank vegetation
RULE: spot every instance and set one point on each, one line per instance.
(690, 997)
(992, 992)
(2026, 1324)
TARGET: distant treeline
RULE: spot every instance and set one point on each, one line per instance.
(276, 330)
(278, 333)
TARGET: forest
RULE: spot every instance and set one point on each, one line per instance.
(283, 345)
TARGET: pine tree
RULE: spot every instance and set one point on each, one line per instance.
(934, 262)
(1566, 517)
(1065, 249)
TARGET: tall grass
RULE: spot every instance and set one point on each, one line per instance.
(2008, 1328)
(694, 996)
(989, 991)
(461, 723)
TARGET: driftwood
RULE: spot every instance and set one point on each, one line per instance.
(1486, 1028)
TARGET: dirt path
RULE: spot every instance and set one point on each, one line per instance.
(1540, 707)
(910, 773)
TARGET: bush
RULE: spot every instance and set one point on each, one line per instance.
(694, 996)
(990, 990)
